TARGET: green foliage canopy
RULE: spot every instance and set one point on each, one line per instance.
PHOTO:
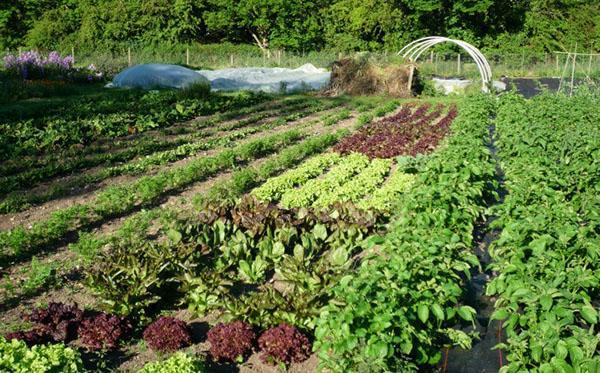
(540, 25)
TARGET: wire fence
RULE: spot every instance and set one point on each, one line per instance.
(438, 64)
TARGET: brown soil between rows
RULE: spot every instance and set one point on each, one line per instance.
(117, 143)
(137, 354)
(85, 194)
(180, 200)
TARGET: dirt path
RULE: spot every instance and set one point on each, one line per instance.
(481, 357)
(87, 193)
(179, 200)
(133, 357)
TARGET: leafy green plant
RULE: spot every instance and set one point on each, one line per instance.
(15, 356)
(394, 312)
(313, 189)
(179, 362)
(547, 254)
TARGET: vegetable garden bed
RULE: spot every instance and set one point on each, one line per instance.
(344, 242)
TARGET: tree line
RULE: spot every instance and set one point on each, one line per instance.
(300, 25)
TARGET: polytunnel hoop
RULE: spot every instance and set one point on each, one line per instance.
(414, 49)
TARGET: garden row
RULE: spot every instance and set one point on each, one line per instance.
(405, 133)
(99, 148)
(547, 255)
(398, 309)
(330, 179)
(153, 110)
(19, 200)
(42, 348)
(110, 153)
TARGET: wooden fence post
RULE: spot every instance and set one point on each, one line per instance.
(458, 64)
(573, 70)
(590, 62)
(411, 72)
(231, 60)
(187, 56)
(129, 56)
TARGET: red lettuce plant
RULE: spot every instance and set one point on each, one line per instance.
(35, 336)
(167, 334)
(284, 344)
(103, 331)
(232, 341)
(59, 320)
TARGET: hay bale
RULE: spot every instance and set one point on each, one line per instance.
(359, 76)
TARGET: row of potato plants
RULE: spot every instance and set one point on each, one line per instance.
(30, 175)
(117, 200)
(396, 311)
(18, 201)
(29, 137)
(546, 257)
(405, 133)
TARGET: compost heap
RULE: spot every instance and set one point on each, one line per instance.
(360, 76)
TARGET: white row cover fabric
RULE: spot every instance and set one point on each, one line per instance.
(150, 76)
(448, 86)
(306, 77)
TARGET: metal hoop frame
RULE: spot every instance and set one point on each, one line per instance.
(413, 51)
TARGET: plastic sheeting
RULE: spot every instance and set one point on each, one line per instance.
(150, 76)
(448, 86)
(306, 77)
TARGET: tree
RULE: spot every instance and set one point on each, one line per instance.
(288, 24)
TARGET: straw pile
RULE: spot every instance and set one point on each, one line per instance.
(359, 76)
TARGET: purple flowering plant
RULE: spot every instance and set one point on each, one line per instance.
(32, 65)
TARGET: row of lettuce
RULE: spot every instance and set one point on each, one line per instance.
(269, 266)
(221, 136)
(384, 290)
(184, 264)
(547, 255)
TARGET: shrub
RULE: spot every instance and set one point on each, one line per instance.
(232, 341)
(284, 344)
(167, 334)
(15, 356)
(178, 363)
(59, 320)
(103, 331)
